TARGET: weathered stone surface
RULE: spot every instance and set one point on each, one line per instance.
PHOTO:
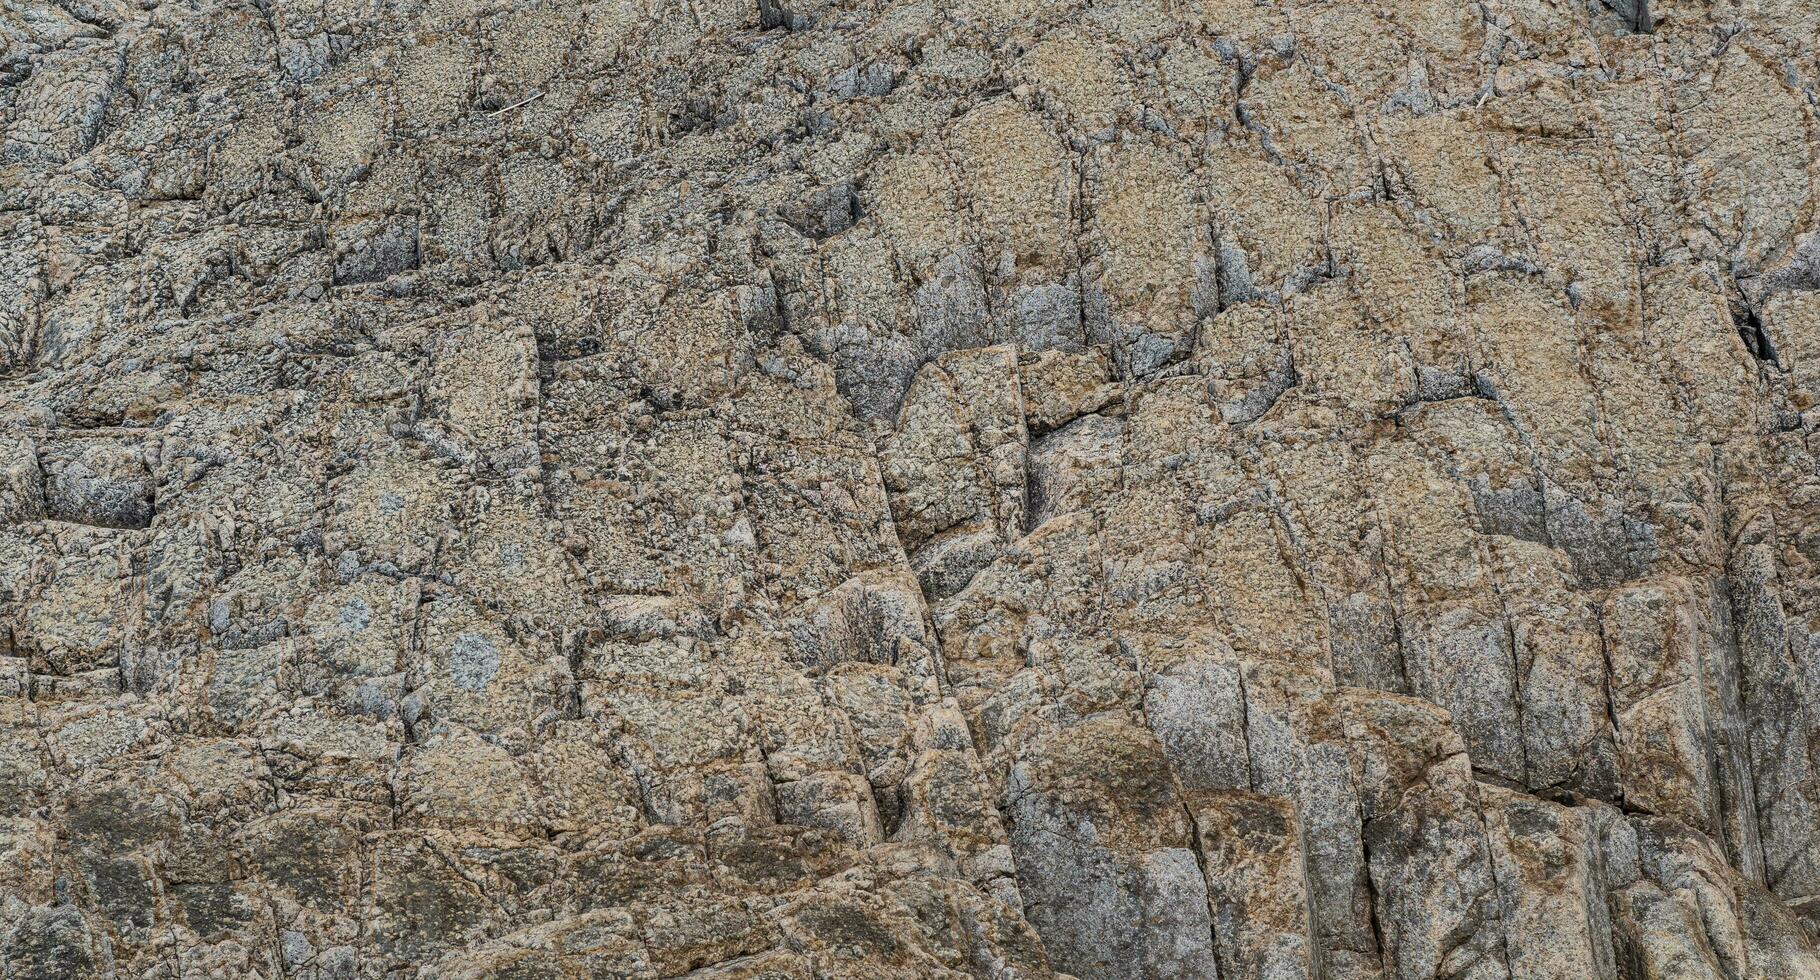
(1102, 839)
(817, 488)
(1252, 852)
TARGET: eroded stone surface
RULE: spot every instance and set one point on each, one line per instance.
(808, 488)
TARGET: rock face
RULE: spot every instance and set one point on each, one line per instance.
(737, 489)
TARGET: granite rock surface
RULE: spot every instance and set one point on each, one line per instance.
(736, 489)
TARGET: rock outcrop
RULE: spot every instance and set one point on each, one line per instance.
(737, 489)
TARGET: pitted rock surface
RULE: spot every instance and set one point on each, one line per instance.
(735, 489)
